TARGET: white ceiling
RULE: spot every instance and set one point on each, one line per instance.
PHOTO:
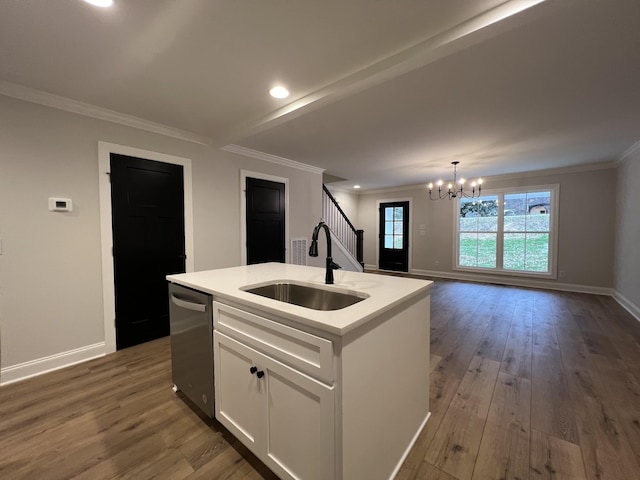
(384, 92)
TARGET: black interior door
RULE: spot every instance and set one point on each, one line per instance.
(147, 202)
(394, 236)
(265, 221)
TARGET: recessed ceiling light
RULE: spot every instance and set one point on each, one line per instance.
(356, 186)
(100, 3)
(279, 92)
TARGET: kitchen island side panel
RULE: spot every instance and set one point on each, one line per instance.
(385, 390)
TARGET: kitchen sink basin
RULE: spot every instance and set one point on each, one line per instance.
(306, 296)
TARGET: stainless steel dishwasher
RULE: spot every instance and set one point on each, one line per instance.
(191, 321)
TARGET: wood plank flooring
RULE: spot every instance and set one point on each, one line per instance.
(525, 384)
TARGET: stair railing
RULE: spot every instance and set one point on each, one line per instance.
(341, 227)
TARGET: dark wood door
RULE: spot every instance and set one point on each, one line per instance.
(394, 236)
(265, 221)
(147, 202)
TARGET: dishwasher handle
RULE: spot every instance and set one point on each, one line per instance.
(196, 307)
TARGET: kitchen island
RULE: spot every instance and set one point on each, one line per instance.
(320, 394)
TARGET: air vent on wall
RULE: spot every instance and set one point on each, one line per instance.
(299, 251)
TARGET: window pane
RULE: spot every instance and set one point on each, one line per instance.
(538, 222)
(388, 228)
(388, 241)
(397, 213)
(487, 246)
(488, 224)
(468, 224)
(397, 242)
(538, 211)
(397, 228)
(468, 208)
(515, 210)
(514, 251)
(537, 259)
(468, 249)
(487, 210)
(388, 213)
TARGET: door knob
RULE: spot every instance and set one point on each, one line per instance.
(253, 370)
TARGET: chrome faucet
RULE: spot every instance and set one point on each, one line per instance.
(313, 251)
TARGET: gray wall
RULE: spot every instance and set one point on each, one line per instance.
(50, 267)
(586, 230)
(627, 279)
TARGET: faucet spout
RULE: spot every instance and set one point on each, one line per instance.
(313, 251)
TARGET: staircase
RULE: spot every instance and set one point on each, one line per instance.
(347, 238)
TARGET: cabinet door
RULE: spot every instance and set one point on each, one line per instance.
(238, 403)
(285, 417)
(301, 424)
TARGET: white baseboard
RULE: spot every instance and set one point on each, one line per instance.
(627, 304)
(32, 368)
(516, 282)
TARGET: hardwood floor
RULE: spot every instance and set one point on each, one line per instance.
(525, 384)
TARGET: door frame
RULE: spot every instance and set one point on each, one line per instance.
(105, 150)
(243, 211)
(410, 246)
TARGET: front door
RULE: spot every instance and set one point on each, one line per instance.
(147, 204)
(265, 221)
(394, 236)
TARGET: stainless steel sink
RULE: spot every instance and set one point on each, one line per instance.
(306, 296)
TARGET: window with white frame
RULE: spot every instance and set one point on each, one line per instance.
(510, 231)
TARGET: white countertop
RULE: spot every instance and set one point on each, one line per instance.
(385, 292)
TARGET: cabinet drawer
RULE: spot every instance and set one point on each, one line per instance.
(305, 352)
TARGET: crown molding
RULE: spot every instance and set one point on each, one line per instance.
(267, 157)
(630, 151)
(32, 95)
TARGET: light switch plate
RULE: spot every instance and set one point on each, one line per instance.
(60, 204)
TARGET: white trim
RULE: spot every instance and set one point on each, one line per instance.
(32, 368)
(627, 304)
(267, 157)
(74, 106)
(515, 282)
(410, 246)
(244, 174)
(105, 150)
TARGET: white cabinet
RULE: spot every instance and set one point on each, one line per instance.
(324, 407)
(285, 417)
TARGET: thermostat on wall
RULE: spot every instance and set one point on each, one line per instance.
(60, 204)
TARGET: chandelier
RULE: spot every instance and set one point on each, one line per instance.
(455, 189)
